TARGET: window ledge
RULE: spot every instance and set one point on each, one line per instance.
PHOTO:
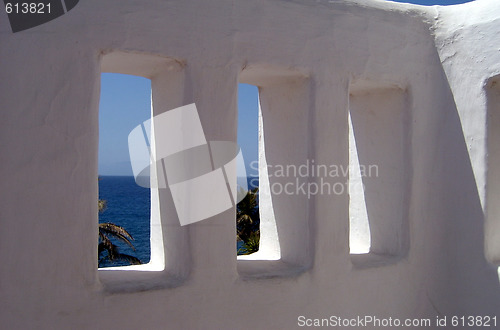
(372, 260)
(129, 279)
(267, 269)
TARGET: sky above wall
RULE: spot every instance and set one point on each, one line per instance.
(126, 102)
(433, 2)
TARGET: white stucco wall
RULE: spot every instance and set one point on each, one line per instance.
(307, 57)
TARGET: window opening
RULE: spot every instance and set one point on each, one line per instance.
(125, 207)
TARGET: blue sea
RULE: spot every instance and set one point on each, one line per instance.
(129, 206)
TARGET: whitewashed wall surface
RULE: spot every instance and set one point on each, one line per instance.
(413, 89)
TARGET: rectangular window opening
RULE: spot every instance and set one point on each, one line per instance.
(126, 237)
(378, 175)
(256, 232)
(281, 105)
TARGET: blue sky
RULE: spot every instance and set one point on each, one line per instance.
(434, 2)
(126, 102)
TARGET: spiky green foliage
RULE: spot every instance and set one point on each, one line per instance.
(107, 250)
(251, 245)
(248, 222)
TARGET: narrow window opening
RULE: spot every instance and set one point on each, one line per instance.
(256, 232)
(378, 172)
(247, 210)
(285, 246)
(125, 207)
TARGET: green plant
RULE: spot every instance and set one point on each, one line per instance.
(251, 245)
(107, 250)
(248, 222)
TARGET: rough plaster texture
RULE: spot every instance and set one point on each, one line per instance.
(307, 57)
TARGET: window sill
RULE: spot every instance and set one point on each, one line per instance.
(372, 260)
(129, 279)
(267, 269)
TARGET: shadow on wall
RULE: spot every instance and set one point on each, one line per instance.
(380, 126)
(454, 202)
(492, 225)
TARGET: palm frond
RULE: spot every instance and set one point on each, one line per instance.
(248, 219)
(251, 245)
(133, 260)
(244, 219)
(107, 250)
(119, 232)
(112, 252)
